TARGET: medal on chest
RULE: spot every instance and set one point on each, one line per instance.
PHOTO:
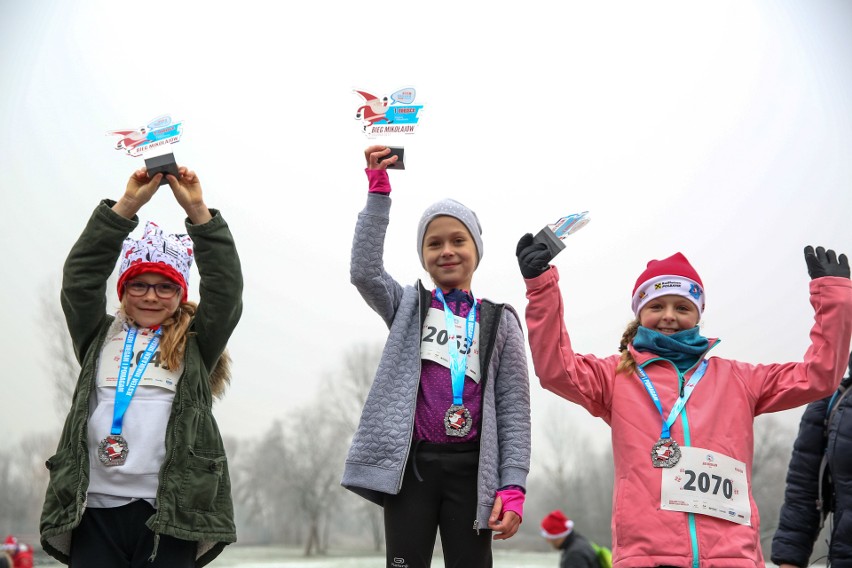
(113, 450)
(457, 421)
(665, 453)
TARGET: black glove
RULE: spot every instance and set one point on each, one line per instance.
(825, 263)
(533, 258)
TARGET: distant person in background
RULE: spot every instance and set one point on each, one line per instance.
(19, 555)
(444, 437)
(577, 551)
(819, 483)
(683, 422)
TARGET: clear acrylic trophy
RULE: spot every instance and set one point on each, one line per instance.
(554, 234)
(157, 134)
(392, 117)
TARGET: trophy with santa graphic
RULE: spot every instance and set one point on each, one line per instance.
(154, 138)
(391, 117)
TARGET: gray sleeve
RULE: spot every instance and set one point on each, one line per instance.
(512, 394)
(366, 269)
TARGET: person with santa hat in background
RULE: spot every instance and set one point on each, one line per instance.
(577, 551)
(20, 554)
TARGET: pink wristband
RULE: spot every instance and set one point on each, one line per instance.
(513, 500)
(379, 182)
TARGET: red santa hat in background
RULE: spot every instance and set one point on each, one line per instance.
(556, 525)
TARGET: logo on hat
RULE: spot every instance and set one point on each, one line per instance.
(695, 291)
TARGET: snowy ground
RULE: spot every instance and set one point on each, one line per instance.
(271, 558)
(275, 557)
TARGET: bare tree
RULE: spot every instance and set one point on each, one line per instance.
(60, 363)
(347, 390)
(317, 447)
(23, 480)
(23, 476)
(261, 481)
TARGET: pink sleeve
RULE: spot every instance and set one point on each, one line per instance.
(788, 385)
(583, 379)
(513, 500)
(379, 182)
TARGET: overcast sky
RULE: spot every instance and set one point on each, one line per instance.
(722, 130)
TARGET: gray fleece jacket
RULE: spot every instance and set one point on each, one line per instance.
(380, 446)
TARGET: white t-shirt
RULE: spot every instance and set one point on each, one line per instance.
(143, 426)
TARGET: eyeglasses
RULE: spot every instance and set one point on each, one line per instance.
(163, 290)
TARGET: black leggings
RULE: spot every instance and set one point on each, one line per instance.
(438, 492)
(118, 538)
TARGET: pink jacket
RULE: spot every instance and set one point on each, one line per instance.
(720, 417)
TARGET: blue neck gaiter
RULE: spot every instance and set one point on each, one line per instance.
(682, 348)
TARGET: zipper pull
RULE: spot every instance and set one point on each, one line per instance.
(476, 526)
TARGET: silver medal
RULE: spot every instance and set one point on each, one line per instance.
(457, 421)
(665, 453)
(112, 450)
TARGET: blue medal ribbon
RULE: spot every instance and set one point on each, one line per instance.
(681, 401)
(125, 390)
(458, 362)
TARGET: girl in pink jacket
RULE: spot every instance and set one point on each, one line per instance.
(682, 422)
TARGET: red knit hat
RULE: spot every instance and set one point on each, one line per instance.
(672, 275)
(556, 525)
(167, 255)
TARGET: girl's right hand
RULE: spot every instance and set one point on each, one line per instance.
(374, 153)
(139, 191)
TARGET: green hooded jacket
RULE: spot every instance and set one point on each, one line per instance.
(194, 493)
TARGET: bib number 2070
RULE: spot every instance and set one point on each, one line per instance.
(707, 483)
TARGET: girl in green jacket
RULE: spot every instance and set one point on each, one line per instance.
(140, 476)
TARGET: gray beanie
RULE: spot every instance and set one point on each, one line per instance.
(450, 208)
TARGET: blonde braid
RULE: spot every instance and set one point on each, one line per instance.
(627, 365)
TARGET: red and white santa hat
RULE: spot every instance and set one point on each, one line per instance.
(168, 255)
(672, 275)
(556, 525)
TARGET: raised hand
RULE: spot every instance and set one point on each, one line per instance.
(186, 188)
(375, 153)
(139, 191)
(533, 258)
(825, 262)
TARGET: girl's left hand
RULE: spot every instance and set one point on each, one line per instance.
(504, 527)
(187, 190)
(375, 153)
(139, 191)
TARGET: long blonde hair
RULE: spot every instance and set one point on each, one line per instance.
(627, 365)
(173, 342)
(174, 332)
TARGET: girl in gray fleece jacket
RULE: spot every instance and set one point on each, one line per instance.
(444, 437)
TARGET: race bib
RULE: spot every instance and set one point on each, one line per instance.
(156, 374)
(707, 483)
(433, 342)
